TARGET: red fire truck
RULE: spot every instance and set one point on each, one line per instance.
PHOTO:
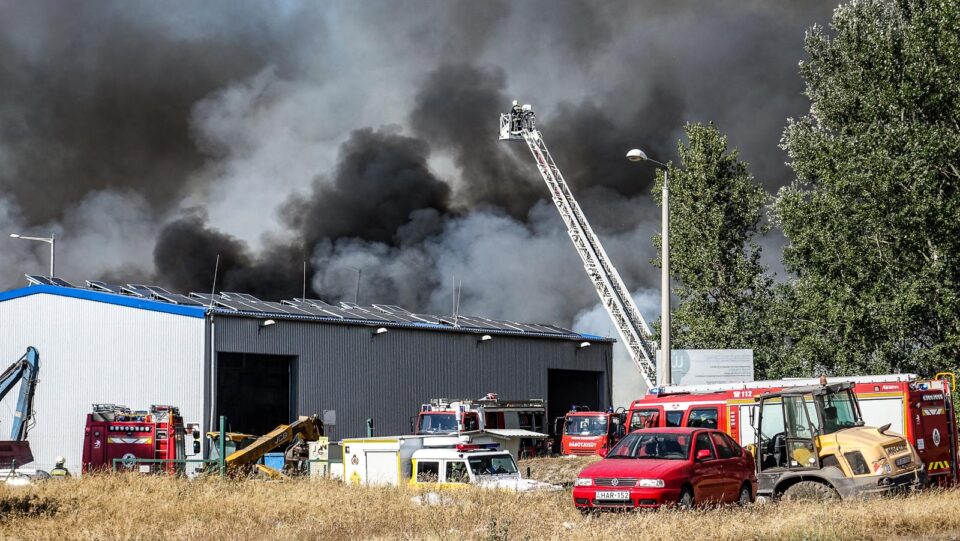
(587, 432)
(116, 432)
(919, 409)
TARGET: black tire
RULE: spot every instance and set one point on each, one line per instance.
(686, 498)
(746, 495)
(810, 491)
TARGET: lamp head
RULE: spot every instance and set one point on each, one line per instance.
(636, 155)
(14, 236)
(268, 322)
(584, 345)
(380, 330)
(485, 337)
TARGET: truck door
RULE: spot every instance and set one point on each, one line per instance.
(931, 432)
(801, 427)
(382, 468)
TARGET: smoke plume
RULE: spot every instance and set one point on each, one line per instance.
(361, 139)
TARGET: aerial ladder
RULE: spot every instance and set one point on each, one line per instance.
(520, 125)
(16, 450)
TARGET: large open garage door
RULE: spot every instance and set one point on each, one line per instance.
(253, 391)
(568, 387)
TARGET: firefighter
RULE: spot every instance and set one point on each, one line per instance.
(59, 470)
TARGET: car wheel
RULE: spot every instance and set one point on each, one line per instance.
(746, 496)
(686, 499)
(810, 491)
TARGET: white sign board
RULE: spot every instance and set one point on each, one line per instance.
(698, 366)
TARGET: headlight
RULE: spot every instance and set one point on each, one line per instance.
(583, 482)
(650, 483)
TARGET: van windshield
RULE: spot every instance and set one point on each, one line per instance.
(492, 465)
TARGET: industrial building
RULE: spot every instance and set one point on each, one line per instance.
(264, 363)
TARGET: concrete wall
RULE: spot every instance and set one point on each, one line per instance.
(349, 369)
(94, 352)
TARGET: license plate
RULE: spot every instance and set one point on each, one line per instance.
(902, 461)
(619, 495)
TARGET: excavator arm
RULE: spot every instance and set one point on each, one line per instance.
(308, 428)
(24, 369)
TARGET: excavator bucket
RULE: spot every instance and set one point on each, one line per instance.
(15, 452)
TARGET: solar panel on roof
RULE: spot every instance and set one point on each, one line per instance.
(103, 286)
(61, 282)
(137, 290)
(427, 318)
(243, 297)
(349, 304)
(314, 302)
(177, 298)
(157, 290)
(37, 280)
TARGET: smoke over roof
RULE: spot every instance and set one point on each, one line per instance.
(153, 136)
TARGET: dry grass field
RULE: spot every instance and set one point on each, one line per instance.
(135, 507)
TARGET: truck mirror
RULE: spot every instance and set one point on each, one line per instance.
(602, 452)
(753, 415)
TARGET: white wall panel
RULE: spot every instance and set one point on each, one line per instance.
(94, 352)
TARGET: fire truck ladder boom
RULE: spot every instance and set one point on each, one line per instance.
(520, 124)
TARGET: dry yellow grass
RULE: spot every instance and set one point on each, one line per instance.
(134, 507)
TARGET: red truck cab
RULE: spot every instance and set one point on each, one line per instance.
(585, 433)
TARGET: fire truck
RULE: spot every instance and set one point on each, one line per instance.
(919, 409)
(522, 420)
(117, 432)
(587, 432)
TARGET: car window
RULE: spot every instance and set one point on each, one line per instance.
(457, 472)
(737, 450)
(723, 448)
(703, 418)
(703, 442)
(674, 418)
(428, 471)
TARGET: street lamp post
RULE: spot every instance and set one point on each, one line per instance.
(52, 241)
(665, 368)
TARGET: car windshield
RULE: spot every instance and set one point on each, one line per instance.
(492, 464)
(595, 425)
(659, 445)
(437, 423)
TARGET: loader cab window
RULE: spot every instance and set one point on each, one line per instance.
(428, 471)
(839, 412)
(702, 418)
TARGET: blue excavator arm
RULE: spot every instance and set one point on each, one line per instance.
(25, 369)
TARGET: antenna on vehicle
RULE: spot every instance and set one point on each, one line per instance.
(213, 289)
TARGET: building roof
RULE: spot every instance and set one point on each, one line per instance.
(198, 305)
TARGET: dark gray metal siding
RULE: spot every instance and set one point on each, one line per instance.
(349, 369)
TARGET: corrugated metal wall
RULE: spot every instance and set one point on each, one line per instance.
(93, 352)
(348, 369)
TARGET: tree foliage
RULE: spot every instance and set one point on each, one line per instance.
(726, 295)
(873, 218)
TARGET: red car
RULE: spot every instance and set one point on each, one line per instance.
(665, 466)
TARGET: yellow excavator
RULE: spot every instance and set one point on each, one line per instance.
(246, 454)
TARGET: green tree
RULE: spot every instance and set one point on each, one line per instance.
(716, 214)
(873, 217)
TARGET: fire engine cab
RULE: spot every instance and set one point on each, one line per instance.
(587, 432)
(919, 409)
(117, 432)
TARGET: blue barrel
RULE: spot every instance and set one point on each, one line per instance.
(273, 460)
